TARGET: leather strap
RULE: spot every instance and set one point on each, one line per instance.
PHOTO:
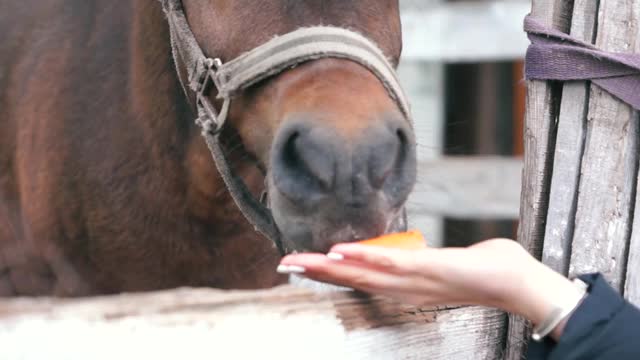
(304, 44)
(269, 59)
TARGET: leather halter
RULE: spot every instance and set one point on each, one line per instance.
(269, 59)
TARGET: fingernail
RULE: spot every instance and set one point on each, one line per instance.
(335, 256)
(290, 269)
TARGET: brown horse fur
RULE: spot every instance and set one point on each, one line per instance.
(105, 183)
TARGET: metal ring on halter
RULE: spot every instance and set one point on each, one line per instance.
(209, 119)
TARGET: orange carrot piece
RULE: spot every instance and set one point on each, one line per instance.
(410, 240)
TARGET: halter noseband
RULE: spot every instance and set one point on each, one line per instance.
(271, 58)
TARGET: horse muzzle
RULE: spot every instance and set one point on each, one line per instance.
(326, 188)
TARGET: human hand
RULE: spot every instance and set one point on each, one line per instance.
(497, 273)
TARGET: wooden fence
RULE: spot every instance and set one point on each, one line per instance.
(578, 202)
(282, 323)
(580, 174)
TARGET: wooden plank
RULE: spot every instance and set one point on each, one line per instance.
(283, 323)
(632, 282)
(568, 151)
(610, 161)
(440, 32)
(468, 187)
(539, 138)
(466, 333)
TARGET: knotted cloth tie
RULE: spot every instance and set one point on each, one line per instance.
(554, 55)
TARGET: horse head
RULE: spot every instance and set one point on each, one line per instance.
(338, 151)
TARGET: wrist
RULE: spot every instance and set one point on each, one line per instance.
(543, 289)
(519, 292)
(558, 330)
(545, 293)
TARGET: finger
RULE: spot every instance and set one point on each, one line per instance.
(385, 259)
(426, 270)
(411, 289)
(350, 273)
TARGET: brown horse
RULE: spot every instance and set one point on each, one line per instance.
(106, 184)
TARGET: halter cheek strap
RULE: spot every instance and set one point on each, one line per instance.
(271, 58)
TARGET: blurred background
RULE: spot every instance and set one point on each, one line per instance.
(462, 68)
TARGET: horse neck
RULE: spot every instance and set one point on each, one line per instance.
(159, 102)
(155, 89)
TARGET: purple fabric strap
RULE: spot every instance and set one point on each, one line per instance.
(554, 55)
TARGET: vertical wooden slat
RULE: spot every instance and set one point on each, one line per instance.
(519, 95)
(539, 137)
(568, 151)
(610, 160)
(632, 283)
(538, 143)
(519, 103)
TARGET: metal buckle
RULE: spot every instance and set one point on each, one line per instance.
(209, 118)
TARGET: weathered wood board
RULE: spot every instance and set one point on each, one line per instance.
(539, 139)
(609, 164)
(632, 281)
(283, 323)
(594, 179)
(568, 151)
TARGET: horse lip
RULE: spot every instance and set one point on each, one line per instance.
(398, 222)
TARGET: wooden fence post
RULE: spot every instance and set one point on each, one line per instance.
(609, 164)
(585, 203)
(632, 281)
(539, 136)
(568, 151)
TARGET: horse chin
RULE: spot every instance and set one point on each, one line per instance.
(316, 235)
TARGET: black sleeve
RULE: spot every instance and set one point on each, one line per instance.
(603, 327)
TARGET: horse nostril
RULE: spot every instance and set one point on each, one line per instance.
(303, 163)
(388, 157)
(312, 163)
(404, 149)
(399, 181)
